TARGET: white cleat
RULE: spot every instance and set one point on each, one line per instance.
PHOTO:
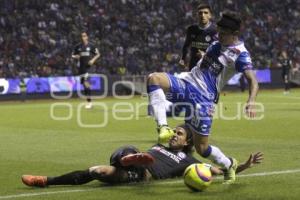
(286, 92)
(89, 105)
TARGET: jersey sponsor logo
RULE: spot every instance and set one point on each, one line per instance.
(208, 38)
(203, 128)
(200, 45)
(181, 155)
(213, 65)
(169, 154)
(85, 53)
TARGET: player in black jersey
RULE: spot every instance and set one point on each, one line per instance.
(286, 66)
(87, 54)
(199, 36)
(127, 164)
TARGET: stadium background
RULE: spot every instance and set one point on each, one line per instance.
(37, 36)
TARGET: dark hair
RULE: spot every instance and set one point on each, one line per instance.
(84, 31)
(189, 148)
(230, 20)
(204, 5)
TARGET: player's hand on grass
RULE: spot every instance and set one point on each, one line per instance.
(250, 110)
(254, 159)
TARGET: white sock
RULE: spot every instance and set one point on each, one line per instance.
(168, 105)
(158, 103)
(219, 158)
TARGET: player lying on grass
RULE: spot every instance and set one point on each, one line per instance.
(127, 164)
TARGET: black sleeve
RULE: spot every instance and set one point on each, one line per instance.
(76, 50)
(178, 170)
(94, 50)
(187, 43)
(193, 160)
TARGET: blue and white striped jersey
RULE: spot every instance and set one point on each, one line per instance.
(217, 66)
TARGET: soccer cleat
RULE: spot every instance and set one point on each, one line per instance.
(229, 174)
(34, 181)
(88, 105)
(137, 159)
(165, 134)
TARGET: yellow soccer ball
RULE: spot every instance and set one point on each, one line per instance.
(197, 176)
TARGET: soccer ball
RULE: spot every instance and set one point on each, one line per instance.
(197, 176)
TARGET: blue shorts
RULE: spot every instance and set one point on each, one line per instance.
(198, 108)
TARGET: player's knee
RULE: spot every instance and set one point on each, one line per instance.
(201, 149)
(99, 172)
(153, 79)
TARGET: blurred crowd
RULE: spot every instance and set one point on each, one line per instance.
(134, 36)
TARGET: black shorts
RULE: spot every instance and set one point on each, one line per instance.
(134, 174)
(285, 74)
(83, 78)
(83, 69)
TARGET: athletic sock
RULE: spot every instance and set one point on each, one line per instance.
(217, 156)
(73, 178)
(87, 93)
(157, 100)
(287, 86)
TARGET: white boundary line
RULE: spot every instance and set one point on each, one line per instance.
(162, 182)
(282, 97)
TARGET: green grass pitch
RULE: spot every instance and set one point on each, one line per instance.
(32, 142)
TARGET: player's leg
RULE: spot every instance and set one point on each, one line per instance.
(129, 164)
(87, 90)
(108, 174)
(286, 84)
(72, 178)
(199, 118)
(157, 85)
(214, 154)
(115, 175)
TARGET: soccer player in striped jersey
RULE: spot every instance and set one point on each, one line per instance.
(200, 88)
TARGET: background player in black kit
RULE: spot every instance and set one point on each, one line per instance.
(87, 54)
(127, 164)
(199, 36)
(286, 66)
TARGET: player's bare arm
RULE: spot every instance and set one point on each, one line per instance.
(253, 159)
(93, 60)
(75, 56)
(251, 78)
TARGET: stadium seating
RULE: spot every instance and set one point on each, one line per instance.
(135, 37)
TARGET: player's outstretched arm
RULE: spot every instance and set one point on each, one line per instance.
(251, 78)
(75, 56)
(254, 158)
